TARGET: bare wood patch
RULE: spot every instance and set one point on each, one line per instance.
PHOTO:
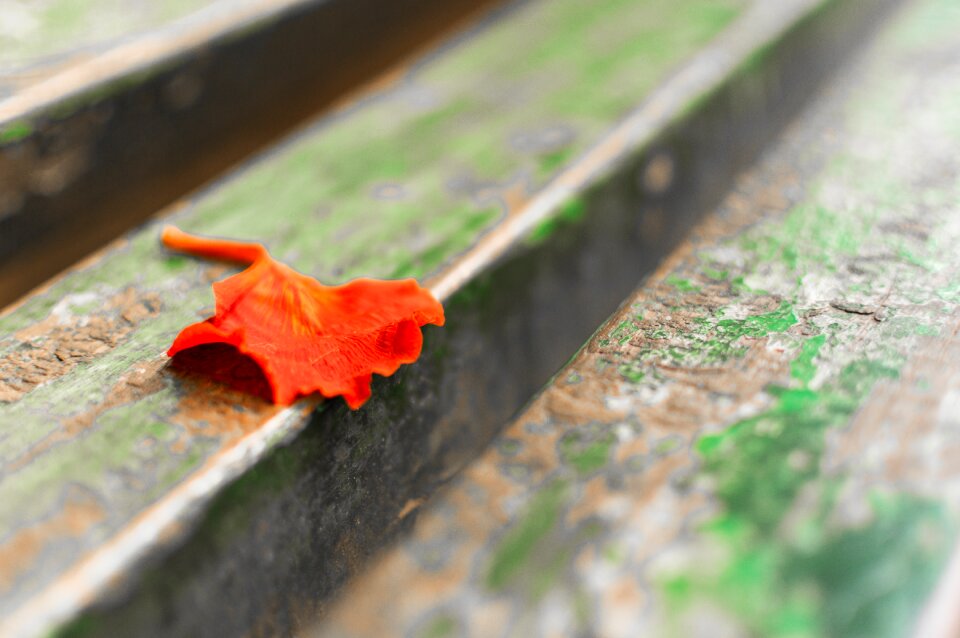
(55, 346)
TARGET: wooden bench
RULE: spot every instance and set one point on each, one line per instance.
(763, 440)
(531, 172)
(109, 110)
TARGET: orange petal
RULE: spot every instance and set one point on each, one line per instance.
(307, 337)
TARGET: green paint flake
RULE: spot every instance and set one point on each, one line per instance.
(927, 330)
(825, 236)
(712, 341)
(512, 554)
(759, 325)
(762, 445)
(802, 368)
(440, 627)
(15, 132)
(621, 334)
(864, 582)
(713, 273)
(783, 561)
(584, 454)
(633, 372)
(55, 27)
(614, 554)
(740, 286)
(683, 285)
(550, 163)
(667, 445)
(567, 215)
(874, 578)
(547, 574)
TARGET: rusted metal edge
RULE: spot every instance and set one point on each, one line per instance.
(666, 115)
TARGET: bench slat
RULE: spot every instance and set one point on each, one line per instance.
(395, 185)
(159, 98)
(522, 185)
(762, 441)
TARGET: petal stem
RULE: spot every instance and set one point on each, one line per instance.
(220, 249)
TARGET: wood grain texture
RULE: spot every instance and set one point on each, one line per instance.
(35, 32)
(54, 48)
(97, 430)
(92, 146)
(763, 440)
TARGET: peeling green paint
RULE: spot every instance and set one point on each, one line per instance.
(586, 455)
(825, 235)
(666, 446)
(633, 372)
(780, 587)
(322, 179)
(743, 386)
(683, 285)
(47, 29)
(568, 214)
(14, 132)
(444, 138)
(802, 368)
(866, 581)
(863, 596)
(440, 627)
(788, 567)
(620, 334)
(761, 445)
(711, 341)
(550, 163)
(759, 325)
(513, 551)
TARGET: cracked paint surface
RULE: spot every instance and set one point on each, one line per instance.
(763, 441)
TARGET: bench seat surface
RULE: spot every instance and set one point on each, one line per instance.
(95, 428)
(764, 439)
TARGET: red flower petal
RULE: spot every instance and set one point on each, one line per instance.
(307, 337)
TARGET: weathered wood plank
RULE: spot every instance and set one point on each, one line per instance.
(394, 186)
(763, 440)
(122, 117)
(110, 452)
(38, 38)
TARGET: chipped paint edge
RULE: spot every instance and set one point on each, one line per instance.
(761, 25)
